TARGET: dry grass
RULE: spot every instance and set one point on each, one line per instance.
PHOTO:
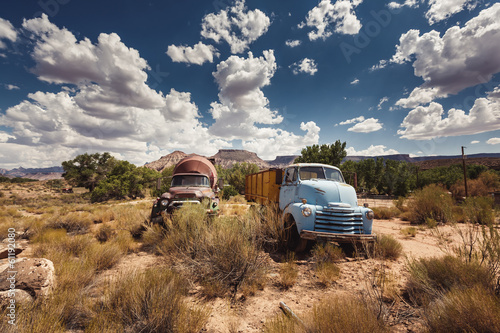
(224, 251)
(464, 310)
(77, 222)
(387, 247)
(288, 272)
(409, 232)
(152, 301)
(430, 278)
(385, 213)
(325, 257)
(336, 314)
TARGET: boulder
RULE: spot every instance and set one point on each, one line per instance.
(33, 275)
(19, 295)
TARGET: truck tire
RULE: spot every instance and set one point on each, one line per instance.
(292, 238)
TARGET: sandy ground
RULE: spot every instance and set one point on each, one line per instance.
(356, 277)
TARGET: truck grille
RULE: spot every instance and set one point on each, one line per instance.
(339, 221)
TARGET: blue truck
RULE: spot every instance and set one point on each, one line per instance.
(315, 202)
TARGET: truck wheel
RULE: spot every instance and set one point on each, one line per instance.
(292, 238)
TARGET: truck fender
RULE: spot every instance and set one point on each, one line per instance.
(295, 210)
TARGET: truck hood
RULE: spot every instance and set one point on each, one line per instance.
(191, 192)
(322, 191)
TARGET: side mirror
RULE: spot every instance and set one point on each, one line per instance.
(220, 183)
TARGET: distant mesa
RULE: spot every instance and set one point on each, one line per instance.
(228, 157)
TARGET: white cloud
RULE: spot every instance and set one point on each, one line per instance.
(382, 101)
(493, 141)
(366, 126)
(306, 65)
(107, 107)
(4, 137)
(371, 151)
(284, 143)
(461, 58)
(11, 87)
(355, 81)
(293, 43)
(381, 64)
(7, 31)
(427, 122)
(341, 15)
(198, 54)
(242, 106)
(407, 3)
(352, 121)
(237, 25)
(442, 9)
(474, 142)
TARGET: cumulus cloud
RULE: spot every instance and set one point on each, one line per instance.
(442, 9)
(355, 81)
(427, 122)
(366, 126)
(382, 101)
(242, 109)
(371, 151)
(363, 125)
(493, 141)
(352, 121)
(407, 3)
(198, 54)
(7, 31)
(340, 15)
(236, 25)
(461, 58)
(307, 66)
(293, 43)
(104, 104)
(474, 142)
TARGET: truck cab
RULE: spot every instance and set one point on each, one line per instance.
(316, 204)
(194, 181)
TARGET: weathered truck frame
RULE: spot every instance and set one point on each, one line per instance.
(315, 203)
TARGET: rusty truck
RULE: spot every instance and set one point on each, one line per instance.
(194, 180)
(315, 203)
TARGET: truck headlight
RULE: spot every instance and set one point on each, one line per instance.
(306, 211)
(164, 202)
(370, 215)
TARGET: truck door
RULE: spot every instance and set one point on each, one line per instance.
(287, 192)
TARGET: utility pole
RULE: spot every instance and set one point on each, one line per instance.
(465, 171)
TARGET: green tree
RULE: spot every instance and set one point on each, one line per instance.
(125, 180)
(88, 169)
(327, 154)
(235, 175)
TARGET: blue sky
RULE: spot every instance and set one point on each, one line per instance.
(141, 79)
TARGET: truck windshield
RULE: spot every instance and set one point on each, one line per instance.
(320, 173)
(190, 180)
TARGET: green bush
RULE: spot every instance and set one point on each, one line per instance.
(228, 192)
(430, 202)
(479, 210)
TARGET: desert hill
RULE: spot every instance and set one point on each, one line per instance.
(166, 161)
